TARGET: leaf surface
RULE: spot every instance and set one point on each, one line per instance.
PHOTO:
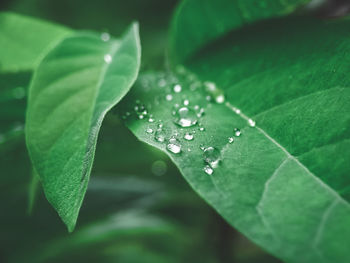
(76, 84)
(284, 181)
(24, 41)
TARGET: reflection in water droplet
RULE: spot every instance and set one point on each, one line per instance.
(160, 135)
(105, 37)
(230, 139)
(174, 146)
(189, 136)
(159, 168)
(177, 88)
(185, 117)
(211, 156)
(169, 97)
(108, 58)
(237, 132)
(208, 170)
(251, 123)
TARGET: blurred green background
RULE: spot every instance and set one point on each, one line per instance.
(138, 208)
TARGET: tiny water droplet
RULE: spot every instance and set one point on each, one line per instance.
(189, 136)
(238, 111)
(169, 97)
(186, 102)
(230, 139)
(150, 120)
(149, 130)
(211, 156)
(237, 132)
(185, 117)
(210, 85)
(220, 99)
(202, 129)
(177, 88)
(108, 58)
(105, 37)
(208, 170)
(251, 123)
(174, 146)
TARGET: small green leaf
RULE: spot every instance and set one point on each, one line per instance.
(283, 179)
(198, 22)
(76, 84)
(24, 41)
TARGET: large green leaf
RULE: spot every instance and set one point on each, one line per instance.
(76, 84)
(197, 22)
(24, 41)
(284, 181)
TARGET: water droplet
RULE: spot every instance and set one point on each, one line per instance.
(208, 170)
(251, 123)
(174, 146)
(186, 102)
(160, 135)
(200, 113)
(237, 132)
(150, 120)
(159, 168)
(238, 111)
(169, 97)
(202, 129)
(210, 86)
(196, 107)
(220, 99)
(140, 110)
(231, 139)
(177, 88)
(211, 156)
(189, 136)
(149, 130)
(105, 37)
(108, 58)
(185, 117)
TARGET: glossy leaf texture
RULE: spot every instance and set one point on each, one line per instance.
(271, 151)
(24, 41)
(198, 22)
(76, 84)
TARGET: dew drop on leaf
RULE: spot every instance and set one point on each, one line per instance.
(208, 170)
(174, 146)
(251, 123)
(237, 132)
(185, 117)
(211, 156)
(189, 136)
(149, 130)
(169, 97)
(230, 139)
(105, 37)
(108, 58)
(177, 88)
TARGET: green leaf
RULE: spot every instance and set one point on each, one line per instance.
(24, 41)
(76, 84)
(198, 22)
(284, 182)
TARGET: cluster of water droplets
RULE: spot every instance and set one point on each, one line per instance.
(187, 115)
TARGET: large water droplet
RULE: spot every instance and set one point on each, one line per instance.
(174, 146)
(189, 136)
(185, 117)
(211, 156)
(208, 170)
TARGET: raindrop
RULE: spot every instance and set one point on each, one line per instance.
(251, 123)
(105, 37)
(237, 132)
(230, 139)
(150, 120)
(185, 117)
(220, 99)
(186, 102)
(149, 130)
(108, 58)
(160, 135)
(169, 97)
(211, 156)
(202, 129)
(208, 170)
(189, 136)
(174, 146)
(177, 88)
